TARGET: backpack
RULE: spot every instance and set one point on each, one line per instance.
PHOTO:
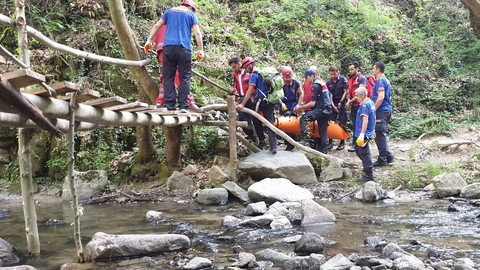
(370, 84)
(273, 83)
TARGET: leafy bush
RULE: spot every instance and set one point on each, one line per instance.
(413, 125)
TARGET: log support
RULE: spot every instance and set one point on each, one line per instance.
(232, 137)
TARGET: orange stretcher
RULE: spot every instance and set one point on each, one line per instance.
(291, 125)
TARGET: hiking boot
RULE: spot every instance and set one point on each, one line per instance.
(183, 111)
(261, 145)
(194, 108)
(250, 138)
(330, 144)
(366, 178)
(379, 163)
(273, 150)
(289, 147)
(351, 149)
(390, 160)
(341, 146)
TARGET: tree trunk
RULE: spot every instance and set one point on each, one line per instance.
(173, 137)
(474, 8)
(148, 90)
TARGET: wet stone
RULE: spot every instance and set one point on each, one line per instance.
(211, 248)
(237, 249)
(255, 209)
(309, 243)
(230, 221)
(276, 257)
(244, 259)
(198, 263)
(4, 213)
(153, 216)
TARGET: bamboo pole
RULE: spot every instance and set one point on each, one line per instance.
(73, 189)
(232, 137)
(24, 146)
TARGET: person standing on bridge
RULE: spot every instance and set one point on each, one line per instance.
(177, 50)
(258, 91)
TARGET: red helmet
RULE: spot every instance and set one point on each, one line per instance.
(190, 3)
(287, 72)
(247, 61)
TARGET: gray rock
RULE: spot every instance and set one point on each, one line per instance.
(408, 262)
(153, 216)
(4, 213)
(471, 191)
(217, 176)
(377, 261)
(315, 261)
(272, 190)
(89, 184)
(392, 251)
(255, 209)
(280, 223)
(464, 264)
(309, 243)
(356, 268)
(230, 221)
(179, 181)
(258, 221)
(211, 248)
(236, 191)
(448, 184)
(19, 267)
(372, 192)
(294, 212)
(297, 263)
(333, 171)
(374, 241)
(198, 263)
(250, 236)
(290, 165)
(313, 213)
(277, 209)
(190, 169)
(237, 249)
(277, 258)
(338, 262)
(7, 254)
(244, 259)
(292, 239)
(106, 246)
(212, 196)
(379, 267)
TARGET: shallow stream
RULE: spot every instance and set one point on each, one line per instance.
(453, 234)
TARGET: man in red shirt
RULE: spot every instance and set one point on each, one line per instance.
(355, 80)
(240, 87)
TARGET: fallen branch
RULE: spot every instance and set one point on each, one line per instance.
(348, 194)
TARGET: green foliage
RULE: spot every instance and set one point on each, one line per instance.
(413, 125)
(418, 175)
(12, 173)
(103, 151)
(204, 142)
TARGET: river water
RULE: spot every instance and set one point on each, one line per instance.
(453, 234)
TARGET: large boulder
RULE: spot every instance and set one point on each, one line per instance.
(236, 191)
(309, 243)
(333, 171)
(107, 247)
(290, 165)
(338, 262)
(212, 196)
(272, 190)
(7, 254)
(19, 267)
(179, 181)
(448, 184)
(89, 184)
(408, 262)
(471, 191)
(217, 176)
(372, 192)
(313, 214)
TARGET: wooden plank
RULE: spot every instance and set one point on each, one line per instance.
(23, 78)
(106, 102)
(141, 109)
(83, 96)
(65, 87)
(127, 106)
(39, 91)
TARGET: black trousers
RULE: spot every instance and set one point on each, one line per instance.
(242, 116)
(266, 109)
(365, 156)
(381, 124)
(322, 120)
(176, 57)
(353, 117)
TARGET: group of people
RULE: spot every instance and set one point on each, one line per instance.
(369, 104)
(368, 101)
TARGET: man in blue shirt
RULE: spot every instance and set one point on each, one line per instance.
(381, 97)
(292, 94)
(177, 51)
(364, 131)
(338, 87)
(259, 92)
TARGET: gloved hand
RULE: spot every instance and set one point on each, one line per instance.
(284, 107)
(148, 47)
(200, 55)
(361, 140)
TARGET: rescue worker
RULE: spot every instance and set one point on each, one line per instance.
(292, 94)
(177, 49)
(338, 87)
(240, 87)
(321, 109)
(355, 80)
(160, 101)
(364, 132)
(381, 97)
(259, 92)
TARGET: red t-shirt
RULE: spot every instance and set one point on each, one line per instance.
(241, 84)
(353, 83)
